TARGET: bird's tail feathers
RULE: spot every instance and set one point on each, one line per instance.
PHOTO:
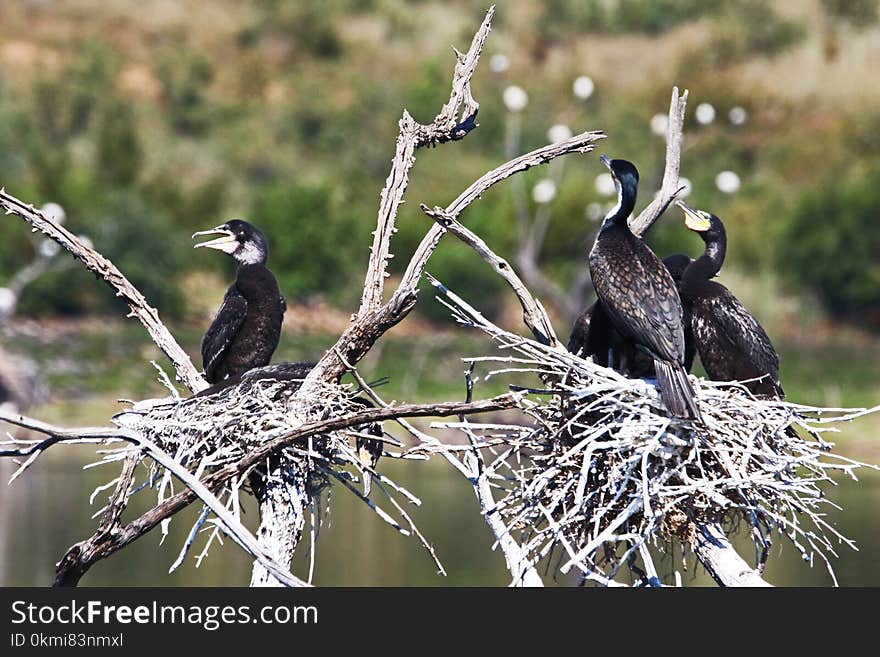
(676, 391)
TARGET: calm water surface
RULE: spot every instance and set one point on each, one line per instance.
(46, 510)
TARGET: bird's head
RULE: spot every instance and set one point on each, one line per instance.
(705, 224)
(676, 264)
(624, 174)
(243, 241)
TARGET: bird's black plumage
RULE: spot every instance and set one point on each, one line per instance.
(639, 294)
(247, 328)
(594, 335)
(733, 345)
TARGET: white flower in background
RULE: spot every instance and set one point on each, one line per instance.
(728, 182)
(499, 63)
(659, 124)
(544, 191)
(688, 187)
(605, 184)
(583, 87)
(7, 301)
(85, 239)
(558, 132)
(705, 113)
(54, 212)
(594, 211)
(738, 115)
(48, 248)
(515, 98)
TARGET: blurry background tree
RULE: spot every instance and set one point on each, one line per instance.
(147, 129)
(149, 120)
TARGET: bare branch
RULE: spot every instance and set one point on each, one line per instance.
(720, 559)
(445, 127)
(582, 143)
(102, 267)
(534, 316)
(83, 555)
(670, 186)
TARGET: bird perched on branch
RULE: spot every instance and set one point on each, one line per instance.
(639, 294)
(593, 334)
(733, 346)
(247, 328)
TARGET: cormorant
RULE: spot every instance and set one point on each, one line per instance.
(733, 346)
(247, 327)
(639, 294)
(594, 335)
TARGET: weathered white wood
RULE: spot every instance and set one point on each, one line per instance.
(721, 561)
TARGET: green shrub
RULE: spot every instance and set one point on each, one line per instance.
(750, 27)
(120, 154)
(186, 83)
(142, 242)
(831, 243)
(316, 244)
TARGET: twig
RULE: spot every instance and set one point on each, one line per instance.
(534, 316)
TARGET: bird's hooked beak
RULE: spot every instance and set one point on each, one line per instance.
(696, 220)
(604, 159)
(226, 242)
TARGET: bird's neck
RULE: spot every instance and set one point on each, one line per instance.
(707, 265)
(618, 215)
(242, 267)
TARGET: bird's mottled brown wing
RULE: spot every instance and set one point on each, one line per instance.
(639, 295)
(744, 331)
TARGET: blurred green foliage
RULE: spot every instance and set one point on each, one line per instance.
(320, 253)
(747, 28)
(829, 245)
(287, 116)
(860, 13)
(648, 16)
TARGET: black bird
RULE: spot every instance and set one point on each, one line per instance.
(639, 294)
(247, 327)
(733, 346)
(594, 335)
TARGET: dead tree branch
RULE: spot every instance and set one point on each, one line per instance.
(453, 122)
(83, 555)
(721, 560)
(534, 315)
(670, 187)
(103, 268)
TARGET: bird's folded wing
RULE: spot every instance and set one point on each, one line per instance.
(647, 304)
(743, 330)
(223, 330)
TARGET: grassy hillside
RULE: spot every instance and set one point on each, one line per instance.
(148, 120)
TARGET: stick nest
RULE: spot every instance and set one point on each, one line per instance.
(602, 472)
(209, 431)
